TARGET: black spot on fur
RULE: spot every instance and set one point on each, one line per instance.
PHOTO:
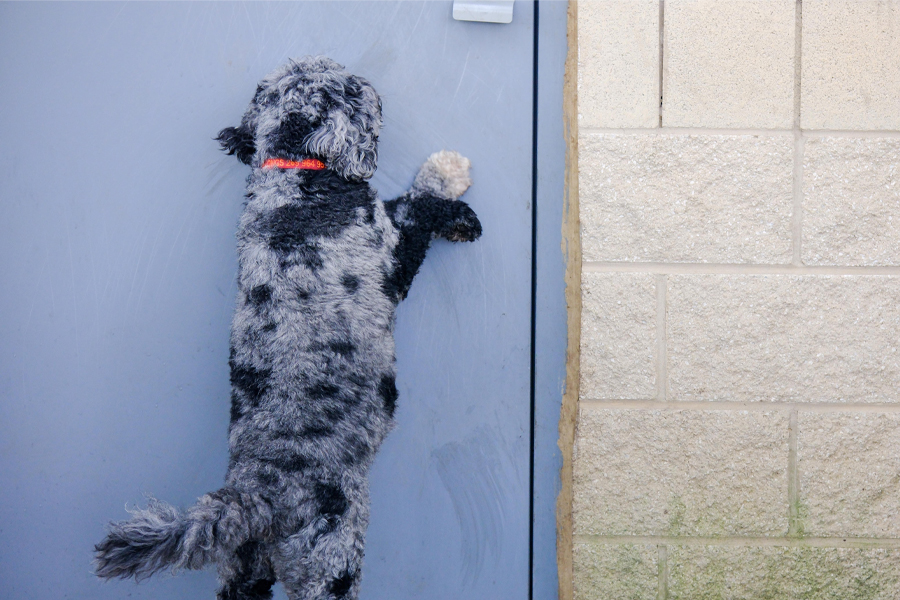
(343, 347)
(424, 218)
(341, 586)
(236, 410)
(245, 586)
(238, 141)
(317, 430)
(387, 389)
(246, 553)
(260, 589)
(269, 478)
(260, 294)
(355, 449)
(304, 253)
(390, 283)
(284, 433)
(351, 399)
(322, 390)
(332, 413)
(269, 326)
(287, 140)
(224, 495)
(310, 257)
(330, 499)
(252, 382)
(290, 463)
(350, 283)
(408, 256)
(358, 380)
(328, 207)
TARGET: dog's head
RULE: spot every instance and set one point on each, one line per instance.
(310, 108)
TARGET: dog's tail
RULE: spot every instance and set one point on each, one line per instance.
(162, 537)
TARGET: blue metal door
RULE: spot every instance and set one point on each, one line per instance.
(118, 260)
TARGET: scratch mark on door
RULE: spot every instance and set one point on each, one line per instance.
(472, 471)
(461, 77)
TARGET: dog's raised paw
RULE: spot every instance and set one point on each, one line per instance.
(445, 174)
(462, 225)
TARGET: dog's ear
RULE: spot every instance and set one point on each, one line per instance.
(348, 136)
(238, 141)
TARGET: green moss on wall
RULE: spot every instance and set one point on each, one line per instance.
(770, 573)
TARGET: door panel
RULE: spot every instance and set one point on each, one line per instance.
(119, 264)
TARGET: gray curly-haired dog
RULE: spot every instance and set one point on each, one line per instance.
(323, 264)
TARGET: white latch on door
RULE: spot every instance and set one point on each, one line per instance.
(487, 11)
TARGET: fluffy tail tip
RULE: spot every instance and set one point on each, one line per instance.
(141, 546)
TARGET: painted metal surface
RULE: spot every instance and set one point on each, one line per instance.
(118, 267)
(485, 11)
(550, 327)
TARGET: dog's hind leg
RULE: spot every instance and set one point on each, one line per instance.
(323, 561)
(247, 574)
(326, 568)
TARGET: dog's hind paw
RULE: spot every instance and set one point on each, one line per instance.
(445, 174)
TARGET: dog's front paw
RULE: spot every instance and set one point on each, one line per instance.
(463, 225)
(445, 174)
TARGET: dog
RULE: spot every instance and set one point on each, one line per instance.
(323, 263)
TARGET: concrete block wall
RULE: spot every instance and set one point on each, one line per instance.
(738, 186)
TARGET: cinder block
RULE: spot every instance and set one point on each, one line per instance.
(618, 336)
(720, 572)
(752, 573)
(625, 571)
(783, 338)
(849, 467)
(618, 63)
(851, 201)
(850, 76)
(679, 198)
(729, 64)
(681, 473)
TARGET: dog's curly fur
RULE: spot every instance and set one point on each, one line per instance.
(323, 264)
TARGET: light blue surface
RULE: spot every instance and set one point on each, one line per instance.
(118, 265)
(550, 300)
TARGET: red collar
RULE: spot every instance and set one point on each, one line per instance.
(283, 163)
